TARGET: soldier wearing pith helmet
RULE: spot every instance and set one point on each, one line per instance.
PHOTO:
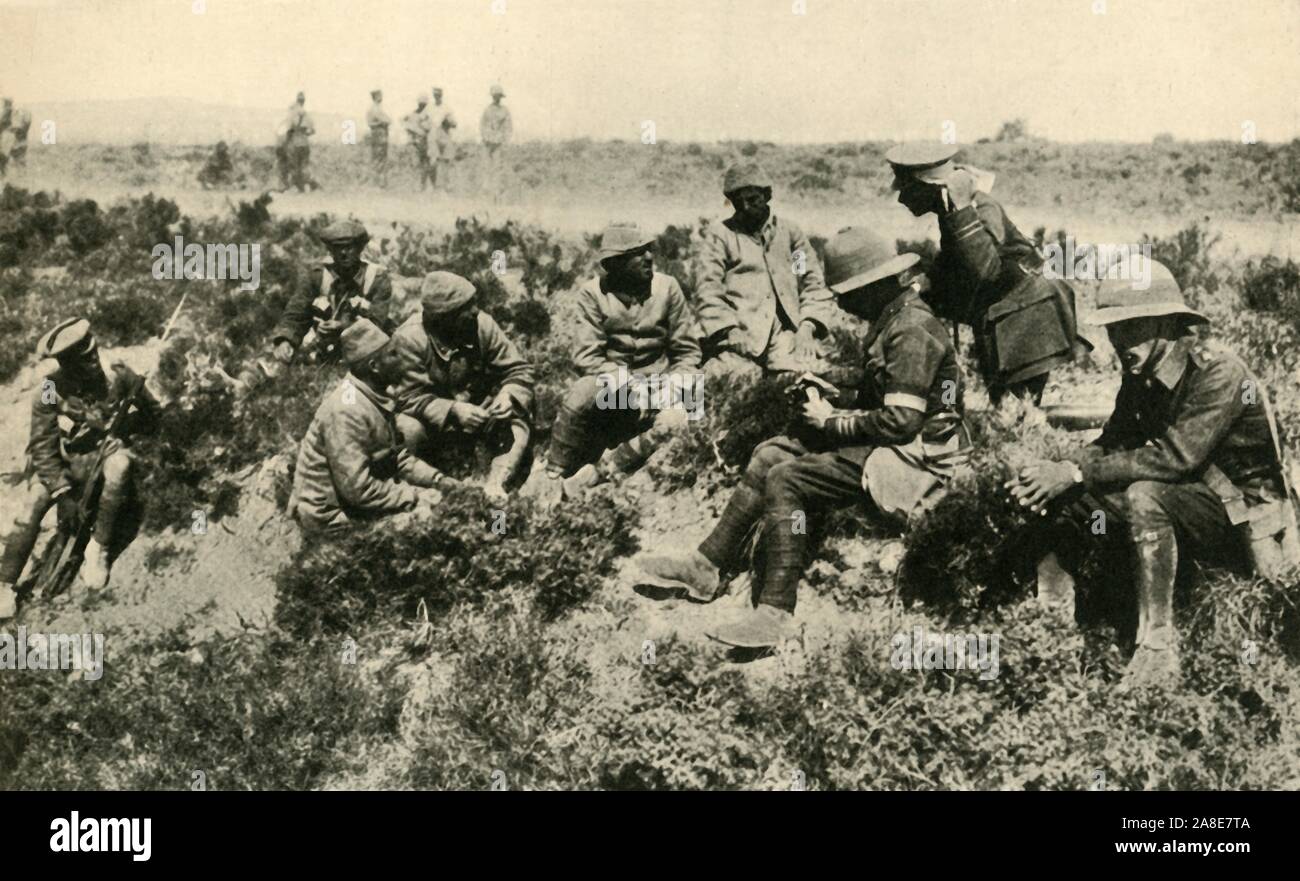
(339, 290)
(1184, 467)
(72, 411)
(988, 275)
(892, 439)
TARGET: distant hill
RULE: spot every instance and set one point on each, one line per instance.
(169, 121)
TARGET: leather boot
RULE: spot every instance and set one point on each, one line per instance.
(1155, 660)
(94, 568)
(761, 627)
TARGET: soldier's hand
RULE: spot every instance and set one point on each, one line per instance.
(69, 512)
(283, 351)
(1038, 484)
(502, 406)
(329, 328)
(471, 417)
(961, 188)
(805, 343)
(816, 412)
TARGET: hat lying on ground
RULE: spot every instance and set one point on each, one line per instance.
(1119, 300)
(745, 174)
(444, 292)
(855, 258)
(341, 232)
(70, 337)
(622, 238)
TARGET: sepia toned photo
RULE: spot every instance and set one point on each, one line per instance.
(514, 395)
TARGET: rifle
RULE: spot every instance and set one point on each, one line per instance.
(63, 558)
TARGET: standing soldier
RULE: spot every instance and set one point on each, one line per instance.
(340, 290)
(378, 121)
(988, 274)
(1189, 455)
(444, 121)
(900, 446)
(461, 373)
(71, 414)
(419, 125)
(351, 465)
(496, 130)
(762, 299)
(18, 129)
(298, 130)
(634, 322)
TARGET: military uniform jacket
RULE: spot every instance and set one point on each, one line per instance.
(911, 385)
(378, 120)
(989, 275)
(434, 377)
(418, 125)
(368, 294)
(351, 459)
(71, 415)
(748, 283)
(650, 334)
(299, 127)
(1196, 413)
(495, 126)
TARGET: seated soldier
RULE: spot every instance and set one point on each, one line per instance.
(341, 289)
(461, 373)
(897, 452)
(762, 300)
(71, 415)
(635, 324)
(352, 465)
(1186, 453)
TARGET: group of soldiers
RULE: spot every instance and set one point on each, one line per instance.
(1184, 461)
(426, 126)
(14, 127)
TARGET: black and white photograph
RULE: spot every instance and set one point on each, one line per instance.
(889, 396)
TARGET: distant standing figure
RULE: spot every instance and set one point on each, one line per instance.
(496, 129)
(378, 121)
(297, 147)
(418, 126)
(444, 121)
(219, 170)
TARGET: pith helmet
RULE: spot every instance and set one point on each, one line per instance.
(622, 238)
(855, 258)
(498, 92)
(69, 337)
(1119, 300)
(361, 340)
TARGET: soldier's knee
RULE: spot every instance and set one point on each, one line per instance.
(782, 478)
(412, 430)
(1147, 503)
(33, 503)
(117, 469)
(585, 395)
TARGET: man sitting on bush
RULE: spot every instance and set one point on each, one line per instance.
(635, 324)
(72, 411)
(340, 290)
(900, 448)
(461, 374)
(352, 465)
(762, 298)
(1186, 453)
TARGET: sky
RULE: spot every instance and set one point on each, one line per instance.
(778, 70)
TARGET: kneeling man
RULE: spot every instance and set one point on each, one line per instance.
(352, 465)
